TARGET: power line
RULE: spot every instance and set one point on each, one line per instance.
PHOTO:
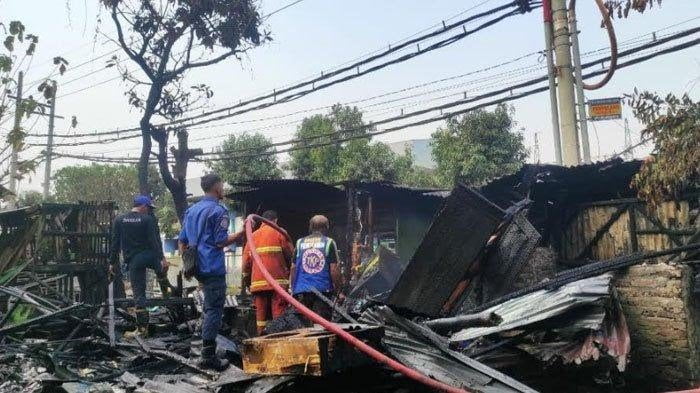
(501, 91)
(73, 68)
(480, 97)
(121, 60)
(351, 67)
(90, 86)
(326, 107)
(500, 77)
(356, 66)
(125, 131)
(282, 9)
(358, 101)
(298, 143)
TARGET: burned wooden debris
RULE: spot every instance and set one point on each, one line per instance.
(462, 307)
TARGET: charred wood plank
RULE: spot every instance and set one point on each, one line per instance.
(586, 252)
(464, 321)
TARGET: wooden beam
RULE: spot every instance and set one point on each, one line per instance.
(632, 225)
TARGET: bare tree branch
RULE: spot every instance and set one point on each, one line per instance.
(133, 56)
(189, 66)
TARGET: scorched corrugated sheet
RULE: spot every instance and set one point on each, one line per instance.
(448, 250)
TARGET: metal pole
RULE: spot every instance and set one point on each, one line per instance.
(565, 85)
(628, 141)
(554, 106)
(580, 97)
(14, 159)
(49, 144)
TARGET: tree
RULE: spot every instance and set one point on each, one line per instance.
(323, 163)
(100, 182)
(673, 124)
(339, 160)
(234, 169)
(478, 146)
(30, 198)
(166, 39)
(363, 160)
(18, 48)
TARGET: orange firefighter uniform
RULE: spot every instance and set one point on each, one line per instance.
(276, 254)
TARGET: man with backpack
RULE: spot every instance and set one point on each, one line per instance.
(205, 230)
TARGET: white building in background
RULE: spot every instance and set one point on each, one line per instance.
(420, 148)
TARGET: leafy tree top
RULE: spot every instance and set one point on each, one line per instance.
(478, 146)
(235, 169)
(673, 124)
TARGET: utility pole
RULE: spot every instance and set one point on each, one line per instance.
(553, 105)
(580, 97)
(536, 149)
(565, 85)
(629, 151)
(14, 158)
(49, 142)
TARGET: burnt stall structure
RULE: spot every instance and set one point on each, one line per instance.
(590, 213)
(58, 247)
(364, 216)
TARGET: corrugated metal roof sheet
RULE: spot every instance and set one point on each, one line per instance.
(545, 304)
(420, 348)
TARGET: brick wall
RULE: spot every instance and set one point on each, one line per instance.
(657, 300)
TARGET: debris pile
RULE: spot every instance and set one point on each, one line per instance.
(460, 310)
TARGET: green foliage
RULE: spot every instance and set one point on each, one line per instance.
(167, 216)
(97, 182)
(339, 160)
(18, 42)
(30, 198)
(477, 147)
(673, 124)
(323, 163)
(118, 183)
(236, 169)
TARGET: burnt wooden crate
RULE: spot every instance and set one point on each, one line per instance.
(309, 351)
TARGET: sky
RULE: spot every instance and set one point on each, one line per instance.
(317, 35)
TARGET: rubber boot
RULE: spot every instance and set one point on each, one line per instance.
(209, 358)
(164, 286)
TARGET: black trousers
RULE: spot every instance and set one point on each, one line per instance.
(137, 274)
(310, 300)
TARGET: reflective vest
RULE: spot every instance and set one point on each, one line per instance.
(273, 248)
(314, 255)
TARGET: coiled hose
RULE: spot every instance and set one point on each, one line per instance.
(607, 21)
(330, 326)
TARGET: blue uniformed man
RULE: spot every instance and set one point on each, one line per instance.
(316, 266)
(206, 226)
(135, 235)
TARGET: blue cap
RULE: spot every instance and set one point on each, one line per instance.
(143, 200)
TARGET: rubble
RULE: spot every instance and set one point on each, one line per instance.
(485, 303)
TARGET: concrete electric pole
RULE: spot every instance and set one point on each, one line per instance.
(565, 85)
(14, 158)
(553, 105)
(49, 142)
(580, 97)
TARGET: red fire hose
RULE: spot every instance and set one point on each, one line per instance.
(330, 326)
(607, 22)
